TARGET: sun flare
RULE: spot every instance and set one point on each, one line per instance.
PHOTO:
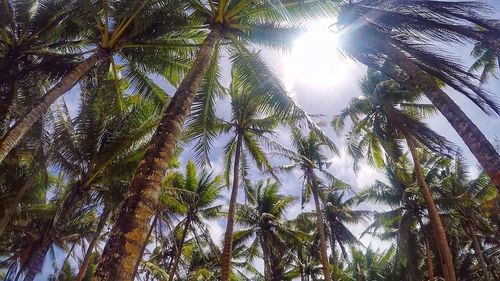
(315, 59)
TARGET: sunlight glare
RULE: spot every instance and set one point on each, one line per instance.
(315, 59)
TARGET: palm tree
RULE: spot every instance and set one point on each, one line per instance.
(263, 218)
(238, 23)
(402, 34)
(197, 192)
(487, 60)
(371, 265)
(338, 212)
(309, 158)
(137, 32)
(385, 114)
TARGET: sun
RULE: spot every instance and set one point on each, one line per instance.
(315, 59)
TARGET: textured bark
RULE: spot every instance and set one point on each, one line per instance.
(178, 253)
(128, 235)
(437, 225)
(334, 252)
(479, 253)
(265, 257)
(428, 253)
(34, 265)
(11, 209)
(228, 236)
(93, 243)
(475, 140)
(322, 236)
(22, 126)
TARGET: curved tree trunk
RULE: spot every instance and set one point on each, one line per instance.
(179, 250)
(479, 253)
(11, 209)
(22, 126)
(478, 144)
(437, 225)
(428, 253)
(93, 243)
(322, 236)
(128, 236)
(228, 236)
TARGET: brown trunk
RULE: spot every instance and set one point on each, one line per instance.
(93, 243)
(11, 209)
(428, 252)
(151, 228)
(128, 236)
(34, 265)
(22, 126)
(334, 253)
(228, 236)
(178, 253)
(265, 257)
(479, 253)
(478, 144)
(437, 225)
(322, 236)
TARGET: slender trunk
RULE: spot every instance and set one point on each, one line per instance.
(334, 253)
(265, 257)
(322, 236)
(228, 236)
(437, 225)
(65, 260)
(128, 236)
(428, 252)
(475, 140)
(35, 264)
(11, 209)
(179, 250)
(93, 243)
(22, 126)
(479, 253)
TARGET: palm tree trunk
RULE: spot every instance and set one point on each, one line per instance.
(11, 209)
(265, 257)
(437, 225)
(179, 250)
(228, 236)
(334, 253)
(322, 236)
(478, 144)
(479, 253)
(93, 243)
(22, 126)
(151, 228)
(128, 236)
(428, 252)
(66, 260)
(34, 265)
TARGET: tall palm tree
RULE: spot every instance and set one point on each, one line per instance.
(309, 158)
(338, 212)
(238, 23)
(263, 219)
(386, 113)
(487, 60)
(403, 33)
(198, 192)
(141, 34)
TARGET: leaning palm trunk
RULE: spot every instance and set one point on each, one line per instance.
(322, 236)
(35, 263)
(479, 253)
(437, 225)
(22, 126)
(128, 235)
(11, 209)
(228, 236)
(478, 144)
(178, 253)
(93, 243)
(428, 253)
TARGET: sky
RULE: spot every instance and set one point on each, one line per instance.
(323, 82)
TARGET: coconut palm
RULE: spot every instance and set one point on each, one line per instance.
(197, 192)
(338, 212)
(385, 114)
(371, 265)
(263, 220)
(487, 61)
(404, 33)
(145, 36)
(309, 158)
(237, 23)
